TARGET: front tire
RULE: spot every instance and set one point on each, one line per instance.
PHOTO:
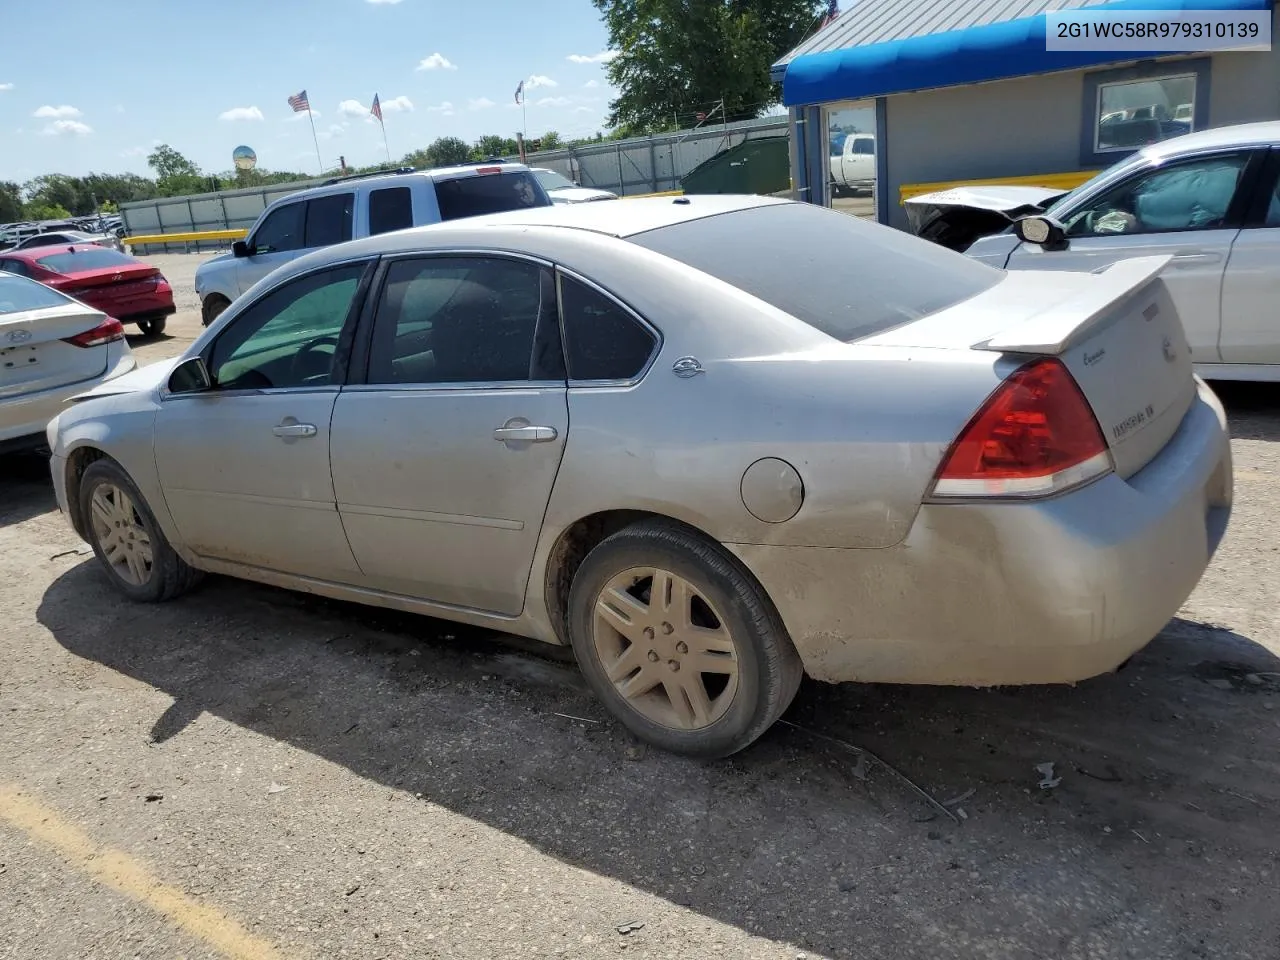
(126, 539)
(679, 642)
(212, 306)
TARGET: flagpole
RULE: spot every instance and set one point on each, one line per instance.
(314, 137)
(383, 125)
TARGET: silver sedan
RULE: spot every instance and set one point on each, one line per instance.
(712, 443)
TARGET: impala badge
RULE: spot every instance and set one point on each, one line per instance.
(18, 336)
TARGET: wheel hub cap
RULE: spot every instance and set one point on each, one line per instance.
(118, 529)
(665, 648)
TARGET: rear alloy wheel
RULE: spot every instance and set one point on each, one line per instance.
(126, 539)
(152, 328)
(211, 308)
(679, 642)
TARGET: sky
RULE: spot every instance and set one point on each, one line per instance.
(208, 77)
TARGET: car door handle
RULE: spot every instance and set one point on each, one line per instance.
(528, 434)
(288, 430)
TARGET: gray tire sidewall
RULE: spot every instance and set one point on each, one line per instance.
(212, 308)
(107, 471)
(730, 594)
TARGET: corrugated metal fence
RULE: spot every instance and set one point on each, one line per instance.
(627, 167)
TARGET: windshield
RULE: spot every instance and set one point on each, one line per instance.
(19, 293)
(1133, 160)
(843, 275)
(551, 180)
(92, 258)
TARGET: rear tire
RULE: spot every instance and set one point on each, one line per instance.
(678, 641)
(212, 307)
(152, 328)
(126, 539)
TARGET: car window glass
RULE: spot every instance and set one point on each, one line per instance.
(471, 196)
(602, 340)
(16, 266)
(1273, 209)
(390, 208)
(1187, 196)
(18, 294)
(86, 258)
(459, 320)
(281, 230)
(288, 338)
(329, 220)
(864, 147)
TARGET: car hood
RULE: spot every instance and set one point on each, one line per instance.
(141, 380)
(1000, 199)
(579, 195)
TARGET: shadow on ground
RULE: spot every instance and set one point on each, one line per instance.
(25, 488)
(1168, 775)
(1253, 409)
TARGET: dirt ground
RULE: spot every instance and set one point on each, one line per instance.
(247, 772)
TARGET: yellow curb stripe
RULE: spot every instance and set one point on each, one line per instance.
(118, 871)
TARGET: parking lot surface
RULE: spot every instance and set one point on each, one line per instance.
(248, 772)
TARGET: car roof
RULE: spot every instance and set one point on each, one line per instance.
(1237, 135)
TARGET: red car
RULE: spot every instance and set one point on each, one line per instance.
(119, 285)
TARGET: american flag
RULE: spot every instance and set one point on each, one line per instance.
(300, 103)
(833, 11)
(376, 109)
(520, 91)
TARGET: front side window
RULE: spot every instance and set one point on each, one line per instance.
(1192, 195)
(281, 231)
(289, 338)
(390, 208)
(329, 220)
(602, 340)
(464, 320)
(472, 196)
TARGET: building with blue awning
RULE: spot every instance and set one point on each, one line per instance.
(958, 91)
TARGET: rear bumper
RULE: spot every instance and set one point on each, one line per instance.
(984, 594)
(153, 311)
(23, 418)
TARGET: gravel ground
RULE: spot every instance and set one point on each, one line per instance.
(250, 772)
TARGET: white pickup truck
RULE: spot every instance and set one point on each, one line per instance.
(362, 205)
(853, 164)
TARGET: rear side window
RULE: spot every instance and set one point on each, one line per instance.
(489, 193)
(86, 258)
(329, 220)
(602, 340)
(838, 273)
(390, 208)
(281, 231)
(18, 294)
(864, 147)
(15, 266)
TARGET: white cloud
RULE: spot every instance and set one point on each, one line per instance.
(354, 108)
(591, 84)
(295, 117)
(436, 62)
(59, 127)
(538, 80)
(603, 56)
(554, 102)
(241, 113)
(134, 152)
(584, 109)
(335, 130)
(480, 103)
(63, 112)
(445, 109)
(5, 87)
(397, 105)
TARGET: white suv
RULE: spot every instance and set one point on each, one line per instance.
(348, 208)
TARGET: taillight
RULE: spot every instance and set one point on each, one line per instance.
(487, 170)
(108, 331)
(1035, 436)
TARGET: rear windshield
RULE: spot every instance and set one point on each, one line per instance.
(96, 258)
(843, 275)
(489, 193)
(19, 293)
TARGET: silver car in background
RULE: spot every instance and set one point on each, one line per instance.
(713, 443)
(51, 348)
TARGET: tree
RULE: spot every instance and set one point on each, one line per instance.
(46, 211)
(448, 151)
(550, 140)
(678, 58)
(58, 190)
(10, 201)
(175, 174)
(492, 145)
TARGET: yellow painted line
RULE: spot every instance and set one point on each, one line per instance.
(118, 871)
(1054, 181)
(236, 234)
(663, 193)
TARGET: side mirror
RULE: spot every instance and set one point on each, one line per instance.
(1045, 231)
(240, 249)
(190, 376)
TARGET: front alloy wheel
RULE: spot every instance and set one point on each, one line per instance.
(120, 535)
